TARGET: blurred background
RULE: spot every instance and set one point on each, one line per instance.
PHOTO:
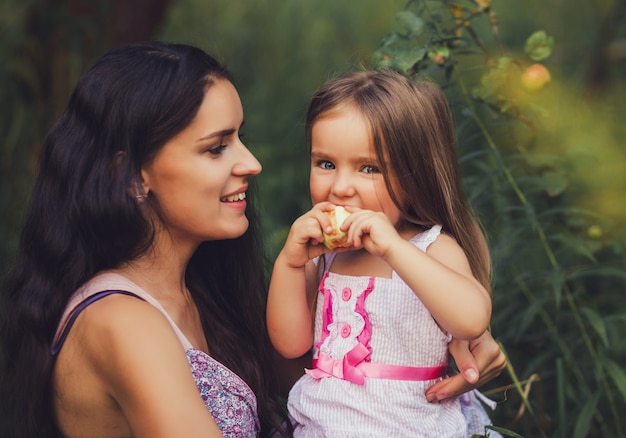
(543, 161)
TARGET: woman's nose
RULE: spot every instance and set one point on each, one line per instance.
(247, 163)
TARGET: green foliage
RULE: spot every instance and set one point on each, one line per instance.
(43, 50)
(527, 155)
(543, 169)
(539, 45)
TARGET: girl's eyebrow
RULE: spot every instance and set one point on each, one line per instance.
(315, 155)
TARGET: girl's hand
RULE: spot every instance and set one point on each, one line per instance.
(305, 238)
(372, 231)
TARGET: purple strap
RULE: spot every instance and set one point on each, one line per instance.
(82, 306)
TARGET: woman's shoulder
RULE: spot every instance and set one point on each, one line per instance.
(92, 295)
(119, 323)
(130, 350)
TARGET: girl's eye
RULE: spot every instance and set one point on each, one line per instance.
(327, 165)
(370, 169)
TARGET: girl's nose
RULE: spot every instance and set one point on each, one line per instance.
(343, 186)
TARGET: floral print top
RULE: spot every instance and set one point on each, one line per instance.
(230, 400)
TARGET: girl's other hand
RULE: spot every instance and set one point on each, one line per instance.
(371, 230)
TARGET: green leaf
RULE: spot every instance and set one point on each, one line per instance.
(583, 423)
(529, 315)
(493, 81)
(407, 59)
(539, 45)
(621, 317)
(597, 323)
(557, 278)
(389, 41)
(600, 271)
(410, 22)
(503, 431)
(555, 182)
(560, 392)
(576, 244)
(618, 375)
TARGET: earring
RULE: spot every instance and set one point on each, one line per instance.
(141, 198)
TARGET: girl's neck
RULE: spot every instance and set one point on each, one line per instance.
(362, 264)
(408, 230)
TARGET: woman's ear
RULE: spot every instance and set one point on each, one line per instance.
(138, 188)
(144, 184)
(137, 191)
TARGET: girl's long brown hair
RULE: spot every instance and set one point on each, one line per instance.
(413, 135)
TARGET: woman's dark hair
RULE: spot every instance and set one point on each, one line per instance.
(83, 219)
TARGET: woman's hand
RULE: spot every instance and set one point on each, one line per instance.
(478, 360)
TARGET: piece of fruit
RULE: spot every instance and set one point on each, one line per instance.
(535, 77)
(336, 238)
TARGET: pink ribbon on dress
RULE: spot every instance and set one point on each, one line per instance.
(353, 368)
(346, 369)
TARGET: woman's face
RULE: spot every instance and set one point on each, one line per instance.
(344, 167)
(200, 177)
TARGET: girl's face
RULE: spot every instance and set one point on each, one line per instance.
(344, 167)
(200, 176)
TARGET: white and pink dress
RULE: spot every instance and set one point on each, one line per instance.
(377, 349)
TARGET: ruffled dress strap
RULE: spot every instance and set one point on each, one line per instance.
(425, 239)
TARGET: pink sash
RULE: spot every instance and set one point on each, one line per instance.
(353, 368)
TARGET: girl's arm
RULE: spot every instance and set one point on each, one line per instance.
(289, 320)
(443, 280)
(136, 355)
(441, 277)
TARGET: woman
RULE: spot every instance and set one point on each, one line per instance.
(140, 259)
(143, 178)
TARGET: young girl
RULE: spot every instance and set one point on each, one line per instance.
(415, 274)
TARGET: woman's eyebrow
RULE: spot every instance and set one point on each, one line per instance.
(222, 133)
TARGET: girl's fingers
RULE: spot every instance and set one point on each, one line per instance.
(319, 211)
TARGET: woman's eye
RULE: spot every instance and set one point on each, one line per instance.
(370, 169)
(217, 150)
